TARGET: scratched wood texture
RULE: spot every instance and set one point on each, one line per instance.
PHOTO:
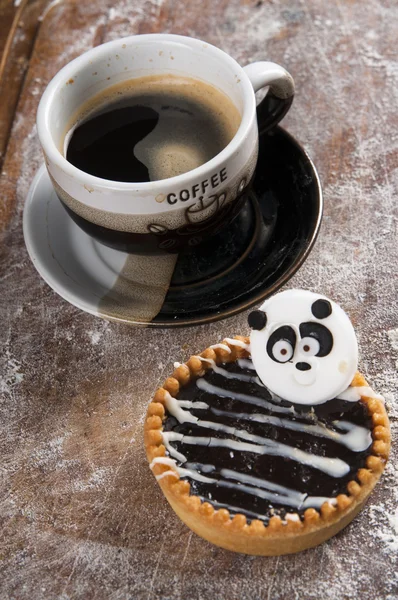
(81, 515)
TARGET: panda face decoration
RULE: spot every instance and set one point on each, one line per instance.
(303, 347)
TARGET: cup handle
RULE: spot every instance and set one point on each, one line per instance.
(279, 97)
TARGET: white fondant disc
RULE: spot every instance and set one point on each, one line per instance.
(307, 352)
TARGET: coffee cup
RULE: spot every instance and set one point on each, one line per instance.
(164, 214)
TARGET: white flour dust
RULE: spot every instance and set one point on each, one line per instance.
(11, 374)
(78, 498)
(96, 479)
(95, 335)
(384, 515)
(393, 337)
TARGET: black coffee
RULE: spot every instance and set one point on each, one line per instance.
(152, 128)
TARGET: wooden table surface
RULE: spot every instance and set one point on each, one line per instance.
(81, 515)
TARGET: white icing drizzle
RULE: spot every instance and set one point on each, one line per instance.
(193, 404)
(292, 517)
(245, 363)
(180, 471)
(167, 438)
(335, 467)
(354, 393)
(235, 509)
(163, 460)
(204, 385)
(174, 408)
(272, 497)
(253, 486)
(239, 343)
(262, 483)
(166, 474)
(192, 474)
(222, 346)
(232, 342)
(297, 499)
(230, 374)
(332, 466)
(356, 439)
(200, 467)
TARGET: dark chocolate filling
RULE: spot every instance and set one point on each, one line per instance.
(275, 469)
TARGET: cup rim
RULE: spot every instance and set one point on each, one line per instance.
(56, 157)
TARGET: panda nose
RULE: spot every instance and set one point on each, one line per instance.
(303, 366)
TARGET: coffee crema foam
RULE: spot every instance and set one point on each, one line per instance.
(184, 122)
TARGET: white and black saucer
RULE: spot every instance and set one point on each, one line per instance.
(248, 261)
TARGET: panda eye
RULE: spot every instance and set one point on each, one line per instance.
(319, 334)
(309, 346)
(281, 344)
(282, 351)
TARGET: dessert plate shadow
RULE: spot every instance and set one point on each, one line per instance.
(248, 261)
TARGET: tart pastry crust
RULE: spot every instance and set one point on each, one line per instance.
(235, 532)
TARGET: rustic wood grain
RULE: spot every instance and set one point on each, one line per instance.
(19, 25)
(81, 515)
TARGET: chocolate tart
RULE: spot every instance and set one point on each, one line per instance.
(271, 500)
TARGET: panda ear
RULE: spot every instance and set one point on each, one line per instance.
(321, 309)
(257, 319)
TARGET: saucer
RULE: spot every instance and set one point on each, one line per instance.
(248, 261)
